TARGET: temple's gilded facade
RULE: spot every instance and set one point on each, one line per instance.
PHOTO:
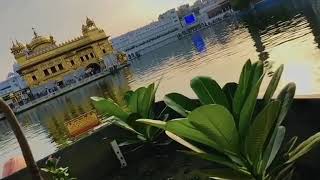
(44, 61)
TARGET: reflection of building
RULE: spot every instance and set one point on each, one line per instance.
(43, 62)
(315, 6)
(198, 42)
(58, 131)
(149, 37)
(82, 123)
(313, 17)
(118, 86)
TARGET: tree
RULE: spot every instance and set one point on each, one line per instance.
(22, 140)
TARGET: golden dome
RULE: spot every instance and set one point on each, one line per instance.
(39, 42)
(17, 47)
(13, 45)
(19, 44)
(90, 23)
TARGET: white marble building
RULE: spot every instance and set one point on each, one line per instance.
(149, 37)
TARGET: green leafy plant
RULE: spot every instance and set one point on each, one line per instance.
(55, 172)
(232, 129)
(139, 104)
(232, 96)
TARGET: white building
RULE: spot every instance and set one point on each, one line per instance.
(214, 9)
(13, 83)
(149, 37)
(13, 90)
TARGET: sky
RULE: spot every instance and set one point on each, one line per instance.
(63, 19)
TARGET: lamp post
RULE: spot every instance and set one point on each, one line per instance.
(22, 140)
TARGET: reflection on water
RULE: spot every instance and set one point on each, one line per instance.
(45, 126)
(286, 34)
(198, 42)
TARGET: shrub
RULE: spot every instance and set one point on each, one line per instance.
(232, 129)
(139, 104)
(55, 172)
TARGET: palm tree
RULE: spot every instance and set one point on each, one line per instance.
(25, 148)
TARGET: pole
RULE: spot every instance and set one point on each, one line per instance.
(22, 140)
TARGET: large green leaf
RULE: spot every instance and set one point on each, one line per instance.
(141, 101)
(209, 91)
(220, 159)
(127, 96)
(216, 122)
(273, 85)
(133, 101)
(284, 172)
(229, 90)
(273, 147)
(156, 123)
(124, 125)
(147, 101)
(286, 98)
(184, 142)
(184, 129)
(288, 147)
(140, 97)
(256, 74)
(241, 92)
(107, 106)
(248, 108)
(226, 174)
(180, 103)
(304, 148)
(259, 132)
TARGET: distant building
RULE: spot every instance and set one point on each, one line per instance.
(149, 37)
(183, 11)
(213, 8)
(14, 89)
(13, 83)
(43, 63)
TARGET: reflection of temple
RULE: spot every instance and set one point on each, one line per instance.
(43, 62)
(313, 18)
(118, 86)
(58, 131)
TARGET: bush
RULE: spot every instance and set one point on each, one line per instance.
(232, 129)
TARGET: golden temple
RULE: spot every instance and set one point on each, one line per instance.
(44, 61)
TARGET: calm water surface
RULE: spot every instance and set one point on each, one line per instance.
(288, 33)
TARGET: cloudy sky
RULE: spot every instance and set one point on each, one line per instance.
(63, 19)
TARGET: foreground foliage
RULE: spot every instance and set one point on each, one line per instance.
(139, 104)
(55, 172)
(233, 129)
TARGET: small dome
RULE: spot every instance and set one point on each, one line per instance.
(90, 22)
(39, 42)
(19, 44)
(17, 47)
(13, 45)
